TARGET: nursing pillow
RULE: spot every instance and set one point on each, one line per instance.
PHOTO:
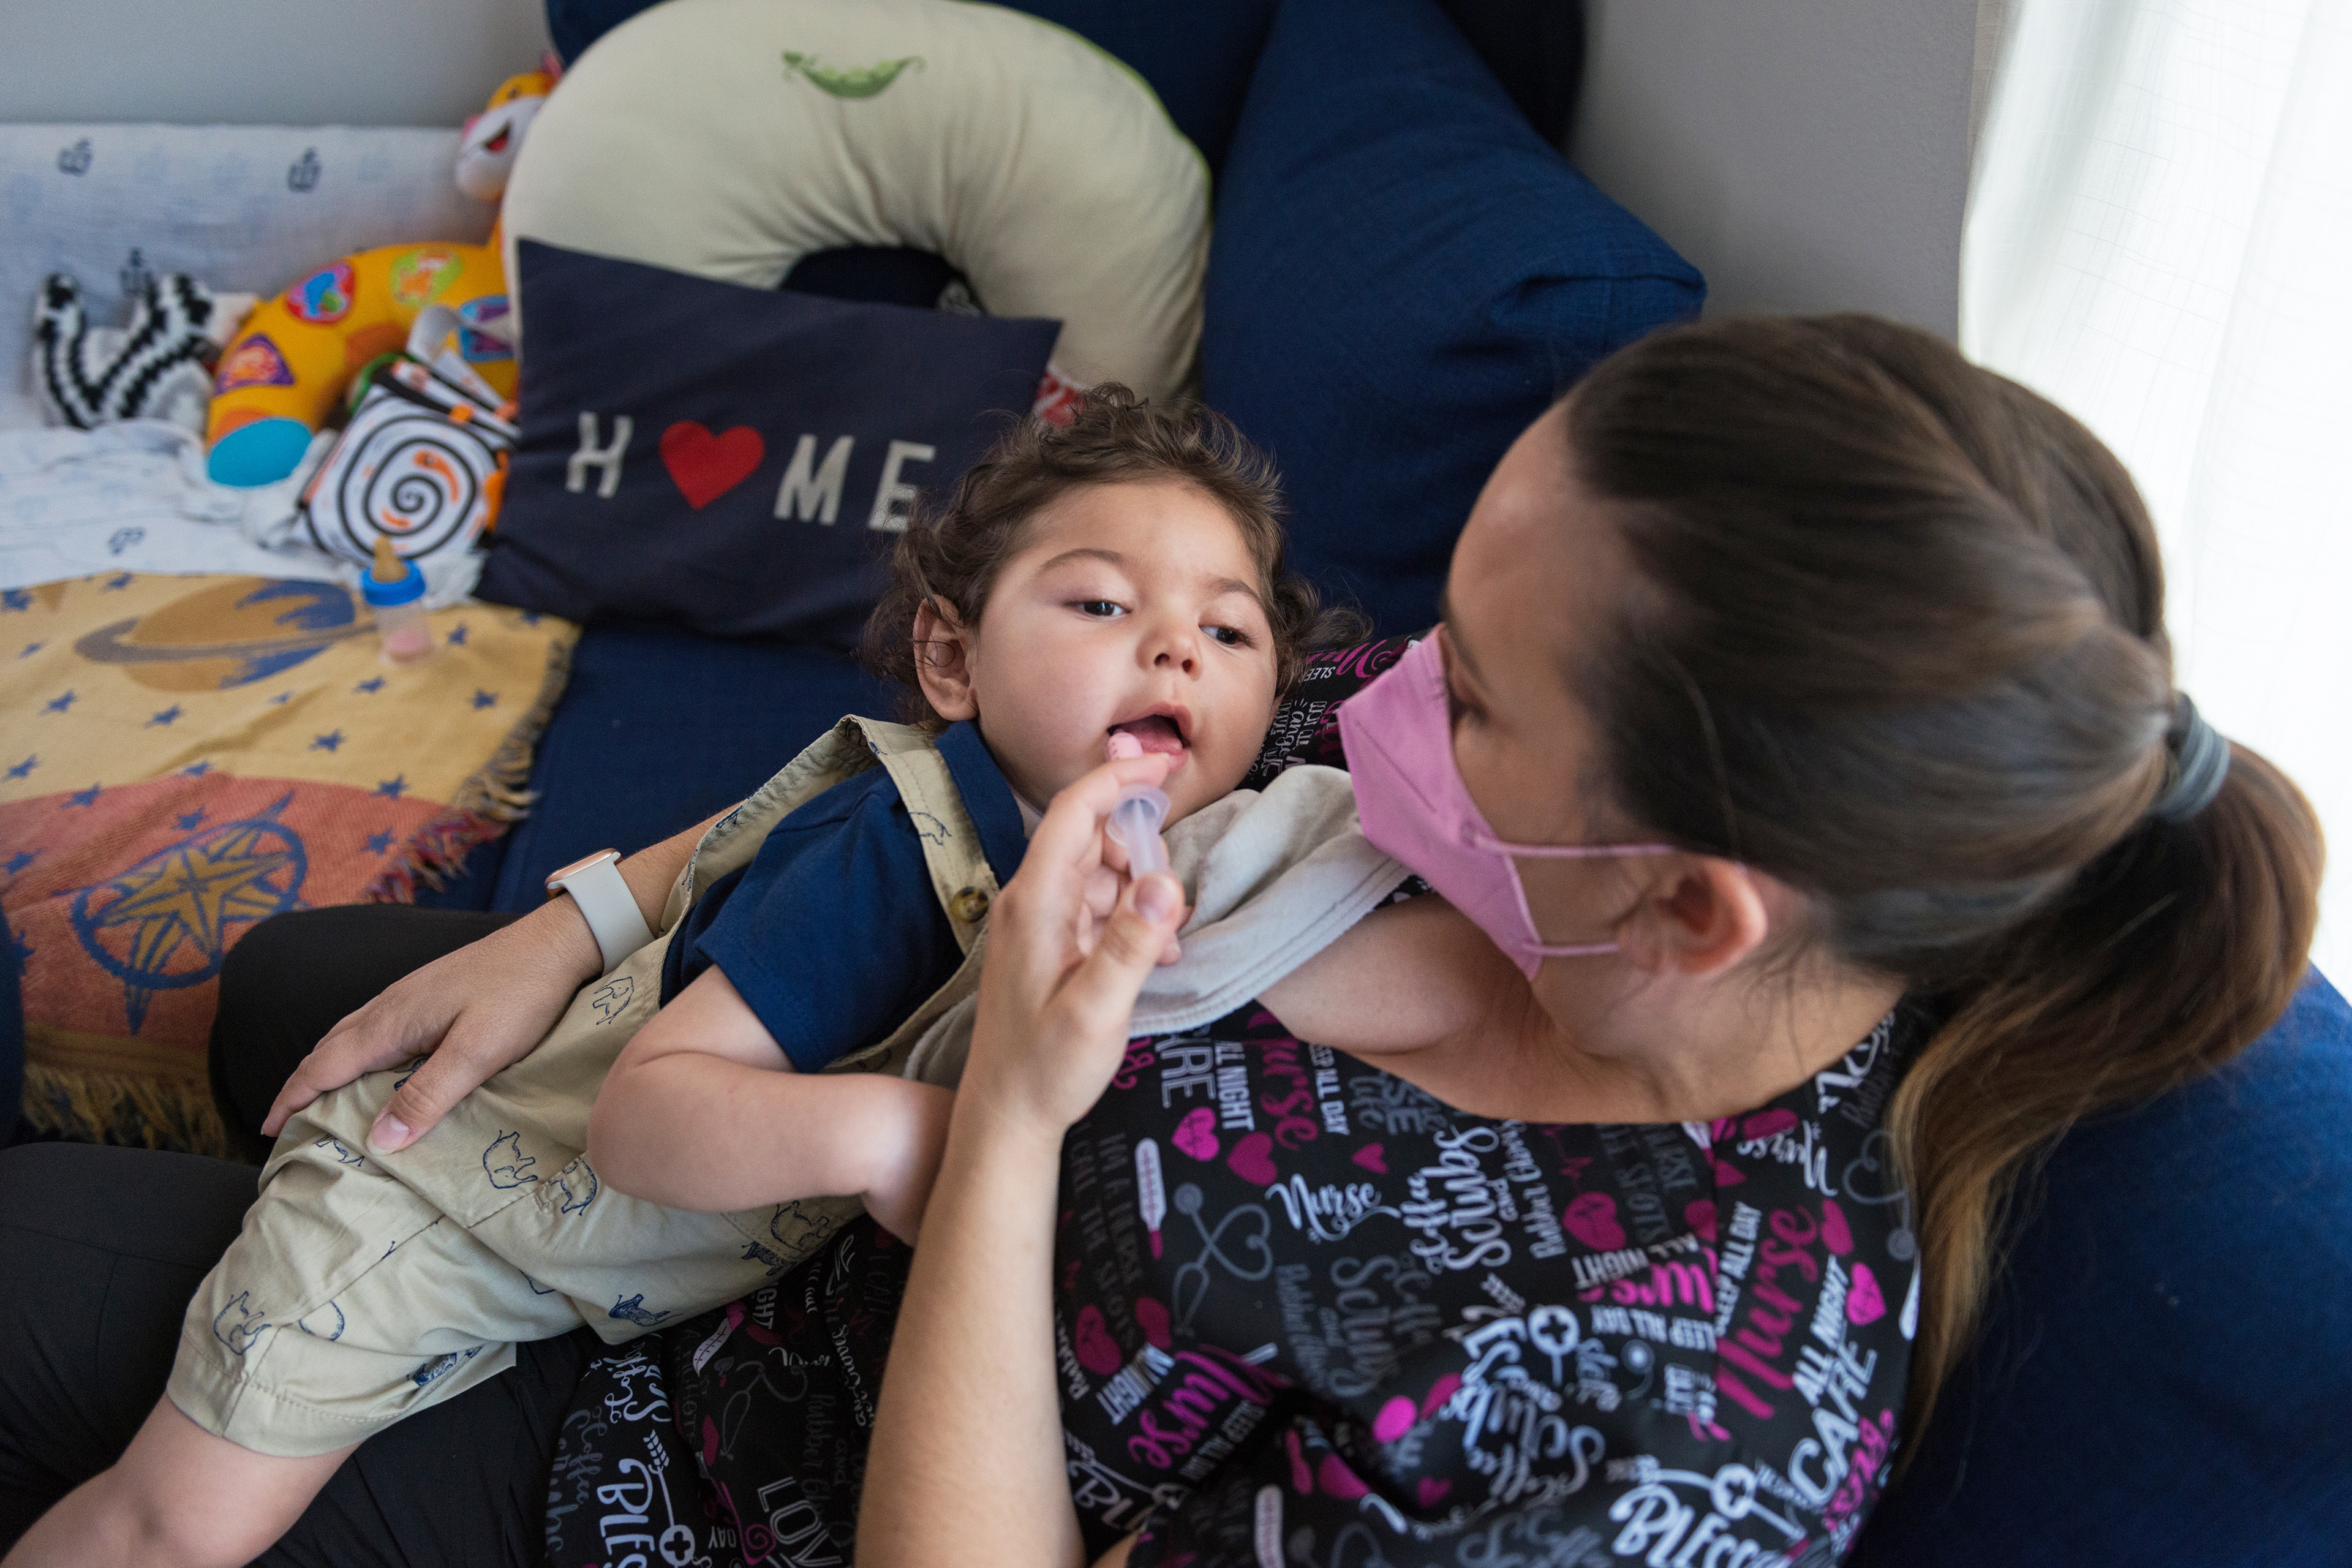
(731, 138)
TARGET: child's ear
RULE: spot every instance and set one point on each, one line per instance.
(943, 662)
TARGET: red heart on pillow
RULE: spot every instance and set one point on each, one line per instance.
(705, 466)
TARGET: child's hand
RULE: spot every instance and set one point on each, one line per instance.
(896, 1200)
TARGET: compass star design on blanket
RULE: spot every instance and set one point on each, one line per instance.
(164, 924)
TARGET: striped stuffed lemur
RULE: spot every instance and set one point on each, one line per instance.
(158, 366)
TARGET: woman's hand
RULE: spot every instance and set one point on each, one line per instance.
(475, 1011)
(967, 1463)
(1070, 943)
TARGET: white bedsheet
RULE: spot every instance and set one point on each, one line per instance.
(134, 497)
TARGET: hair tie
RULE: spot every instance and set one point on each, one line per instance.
(2197, 761)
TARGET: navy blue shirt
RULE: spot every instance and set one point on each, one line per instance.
(833, 934)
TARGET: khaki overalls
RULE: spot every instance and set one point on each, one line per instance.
(366, 1287)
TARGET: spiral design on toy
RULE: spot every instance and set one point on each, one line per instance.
(413, 482)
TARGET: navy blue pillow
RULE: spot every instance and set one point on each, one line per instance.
(1403, 274)
(734, 460)
(2161, 1379)
(1196, 56)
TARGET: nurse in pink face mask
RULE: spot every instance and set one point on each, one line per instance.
(1815, 832)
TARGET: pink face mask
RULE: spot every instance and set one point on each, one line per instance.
(1413, 806)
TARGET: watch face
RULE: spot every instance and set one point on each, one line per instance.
(555, 878)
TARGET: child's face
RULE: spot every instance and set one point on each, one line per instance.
(1129, 606)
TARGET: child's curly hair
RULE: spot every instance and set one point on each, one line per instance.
(953, 554)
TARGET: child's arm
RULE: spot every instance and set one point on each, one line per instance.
(703, 1111)
(1404, 976)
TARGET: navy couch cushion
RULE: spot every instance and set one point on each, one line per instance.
(2163, 1380)
(1403, 275)
(742, 440)
(658, 730)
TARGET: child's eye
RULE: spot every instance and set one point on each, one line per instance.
(1232, 636)
(1101, 609)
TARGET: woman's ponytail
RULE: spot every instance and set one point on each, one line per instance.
(2169, 954)
(1900, 645)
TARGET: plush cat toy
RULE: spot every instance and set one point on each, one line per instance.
(158, 366)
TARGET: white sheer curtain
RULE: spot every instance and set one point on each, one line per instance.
(2159, 239)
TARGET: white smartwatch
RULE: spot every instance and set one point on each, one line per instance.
(603, 896)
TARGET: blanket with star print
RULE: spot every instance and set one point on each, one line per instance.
(181, 757)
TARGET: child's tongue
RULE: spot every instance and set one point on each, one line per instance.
(1156, 733)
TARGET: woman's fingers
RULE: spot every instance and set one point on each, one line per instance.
(362, 1043)
(1100, 994)
(467, 1059)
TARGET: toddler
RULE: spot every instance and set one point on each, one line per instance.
(1121, 577)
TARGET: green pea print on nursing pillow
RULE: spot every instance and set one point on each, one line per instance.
(862, 83)
(731, 138)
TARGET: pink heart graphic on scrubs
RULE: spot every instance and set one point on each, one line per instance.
(1765, 1123)
(1440, 1392)
(1835, 1229)
(1337, 1480)
(1591, 1218)
(1252, 1160)
(1395, 1420)
(1098, 1351)
(1700, 1215)
(1864, 1303)
(1197, 1134)
(1153, 1319)
(1371, 1157)
(1302, 1479)
(1726, 1175)
(1432, 1491)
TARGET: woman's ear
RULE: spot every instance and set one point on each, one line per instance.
(943, 660)
(1703, 917)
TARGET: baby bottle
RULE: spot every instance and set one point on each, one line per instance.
(395, 591)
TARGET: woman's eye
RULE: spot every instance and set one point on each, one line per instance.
(1102, 609)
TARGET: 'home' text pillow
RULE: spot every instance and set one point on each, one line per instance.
(735, 460)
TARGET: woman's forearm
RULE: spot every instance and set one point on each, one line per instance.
(966, 1465)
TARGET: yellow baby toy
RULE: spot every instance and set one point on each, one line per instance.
(294, 358)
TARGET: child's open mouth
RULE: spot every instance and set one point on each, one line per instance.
(1153, 733)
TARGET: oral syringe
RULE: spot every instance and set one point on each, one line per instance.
(1135, 821)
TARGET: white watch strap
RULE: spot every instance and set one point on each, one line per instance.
(611, 910)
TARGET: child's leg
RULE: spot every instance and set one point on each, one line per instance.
(178, 1498)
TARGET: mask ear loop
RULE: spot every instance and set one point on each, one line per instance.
(1479, 839)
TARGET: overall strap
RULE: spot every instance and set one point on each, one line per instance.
(960, 876)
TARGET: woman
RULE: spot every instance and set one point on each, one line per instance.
(1867, 644)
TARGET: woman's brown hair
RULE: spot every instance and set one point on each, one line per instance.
(953, 554)
(1900, 645)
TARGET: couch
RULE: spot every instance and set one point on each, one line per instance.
(2161, 1379)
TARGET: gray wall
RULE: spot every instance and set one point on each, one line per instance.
(262, 62)
(1806, 154)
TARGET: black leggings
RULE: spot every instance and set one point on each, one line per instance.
(100, 1250)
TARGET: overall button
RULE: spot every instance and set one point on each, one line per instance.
(969, 906)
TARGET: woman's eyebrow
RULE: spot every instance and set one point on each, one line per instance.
(1454, 646)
